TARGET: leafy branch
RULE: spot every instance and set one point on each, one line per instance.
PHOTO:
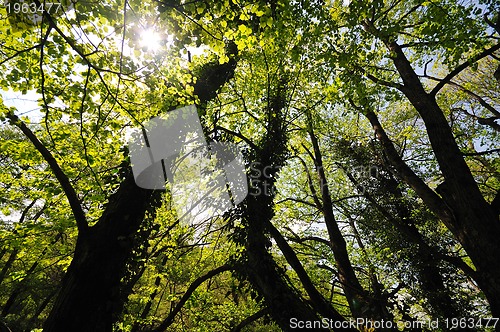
(62, 178)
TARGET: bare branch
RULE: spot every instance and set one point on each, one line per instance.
(496, 25)
(240, 136)
(20, 52)
(491, 121)
(384, 83)
(463, 66)
(478, 98)
(481, 152)
(297, 200)
(318, 239)
(314, 193)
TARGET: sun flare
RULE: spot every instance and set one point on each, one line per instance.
(151, 40)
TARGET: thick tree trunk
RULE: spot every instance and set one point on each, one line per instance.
(260, 269)
(258, 265)
(284, 303)
(90, 296)
(318, 302)
(443, 211)
(473, 221)
(426, 258)
(475, 224)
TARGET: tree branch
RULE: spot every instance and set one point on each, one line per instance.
(297, 200)
(412, 234)
(496, 25)
(301, 240)
(170, 318)
(481, 152)
(69, 191)
(431, 198)
(384, 83)
(463, 66)
(318, 301)
(239, 135)
(20, 52)
(479, 99)
(250, 319)
(314, 193)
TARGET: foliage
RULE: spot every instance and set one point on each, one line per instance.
(300, 87)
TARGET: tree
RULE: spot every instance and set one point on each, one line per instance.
(458, 201)
(373, 178)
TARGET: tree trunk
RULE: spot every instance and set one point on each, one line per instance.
(256, 211)
(8, 264)
(426, 258)
(318, 302)
(268, 279)
(475, 223)
(259, 266)
(361, 303)
(92, 295)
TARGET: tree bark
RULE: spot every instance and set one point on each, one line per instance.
(473, 221)
(92, 294)
(318, 302)
(475, 225)
(426, 258)
(260, 268)
(256, 211)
